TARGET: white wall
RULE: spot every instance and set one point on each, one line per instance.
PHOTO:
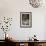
(12, 8)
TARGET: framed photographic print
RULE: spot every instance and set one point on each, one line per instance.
(26, 19)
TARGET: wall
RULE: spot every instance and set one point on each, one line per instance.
(12, 8)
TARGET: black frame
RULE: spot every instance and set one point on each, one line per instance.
(26, 16)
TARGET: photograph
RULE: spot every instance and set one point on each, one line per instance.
(25, 19)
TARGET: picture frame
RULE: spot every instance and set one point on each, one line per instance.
(25, 19)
